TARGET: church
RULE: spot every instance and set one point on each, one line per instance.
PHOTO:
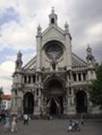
(56, 80)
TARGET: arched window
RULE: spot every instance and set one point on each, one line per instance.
(33, 78)
(79, 76)
(74, 77)
(84, 76)
(70, 92)
(52, 21)
(37, 92)
(25, 79)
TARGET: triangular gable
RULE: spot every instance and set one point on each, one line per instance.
(53, 30)
(77, 61)
(31, 64)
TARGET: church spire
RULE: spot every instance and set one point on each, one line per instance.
(19, 61)
(39, 30)
(53, 10)
(53, 17)
(90, 58)
(66, 27)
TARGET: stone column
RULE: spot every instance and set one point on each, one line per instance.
(38, 62)
(65, 103)
(71, 104)
(82, 79)
(40, 93)
(89, 103)
(68, 51)
(38, 97)
(77, 78)
(36, 109)
(20, 101)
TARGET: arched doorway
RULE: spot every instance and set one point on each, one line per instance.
(55, 94)
(81, 102)
(28, 103)
(56, 106)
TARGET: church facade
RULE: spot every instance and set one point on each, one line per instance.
(55, 81)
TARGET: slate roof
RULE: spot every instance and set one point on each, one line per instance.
(76, 62)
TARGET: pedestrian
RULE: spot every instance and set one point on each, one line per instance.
(70, 125)
(26, 119)
(7, 124)
(14, 124)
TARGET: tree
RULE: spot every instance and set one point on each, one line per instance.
(96, 88)
(1, 93)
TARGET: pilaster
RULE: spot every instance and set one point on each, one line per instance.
(68, 48)
(38, 41)
(71, 104)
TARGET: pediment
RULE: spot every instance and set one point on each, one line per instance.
(53, 33)
(31, 64)
(77, 61)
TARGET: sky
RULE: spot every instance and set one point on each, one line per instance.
(18, 25)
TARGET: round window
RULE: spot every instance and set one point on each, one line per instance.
(53, 50)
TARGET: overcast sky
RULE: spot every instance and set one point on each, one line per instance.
(20, 18)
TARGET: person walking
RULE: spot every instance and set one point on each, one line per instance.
(26, 119)
(14, 124)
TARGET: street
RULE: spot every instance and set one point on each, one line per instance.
(55, 127)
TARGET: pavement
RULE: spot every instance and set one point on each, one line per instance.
(55, 127)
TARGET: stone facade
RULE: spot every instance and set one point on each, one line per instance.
(56, 80)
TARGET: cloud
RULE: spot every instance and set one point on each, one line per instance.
(8, 15)
(95, 30)
(18, 30)
(6, 70)
(85, 26)
(18, 36)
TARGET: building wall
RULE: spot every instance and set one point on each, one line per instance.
(74, 78)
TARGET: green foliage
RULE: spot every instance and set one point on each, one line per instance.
(1, 93)
(96, 87)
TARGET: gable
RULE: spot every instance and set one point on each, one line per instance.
(77, 62)
(31, 64)
(53, 33)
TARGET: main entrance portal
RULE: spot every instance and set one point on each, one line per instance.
(56, 106)
(55, 96)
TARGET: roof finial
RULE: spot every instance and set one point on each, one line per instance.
(19, 54)
(90, 57)
(66, 27)
(39, 30)
(89, 49)
(19, 60)
(53, 10)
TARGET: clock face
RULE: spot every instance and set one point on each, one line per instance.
(53, 50)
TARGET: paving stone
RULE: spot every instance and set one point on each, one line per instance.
(55, 127)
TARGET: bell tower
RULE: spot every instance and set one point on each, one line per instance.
(68, 46)
(53, 17)
(91, 64)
